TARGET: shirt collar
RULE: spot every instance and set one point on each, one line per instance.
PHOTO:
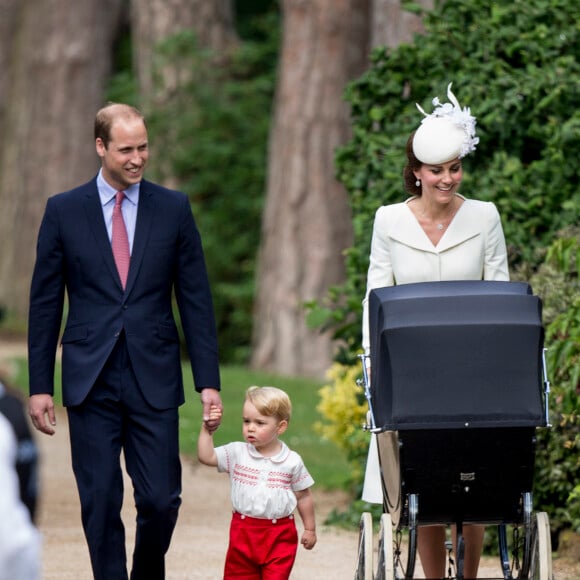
(107, 193)
(280, 457)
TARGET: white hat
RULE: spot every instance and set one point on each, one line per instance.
(447, 133)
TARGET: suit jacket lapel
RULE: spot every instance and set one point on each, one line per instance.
(145, 213)
(94, 213)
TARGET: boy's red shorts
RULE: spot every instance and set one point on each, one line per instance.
(261, 549)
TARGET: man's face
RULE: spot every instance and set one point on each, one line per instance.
(124, 160)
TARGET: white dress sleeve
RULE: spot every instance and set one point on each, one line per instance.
(496, 264)
(380, 272)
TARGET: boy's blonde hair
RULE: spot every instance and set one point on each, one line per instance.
(271, 402)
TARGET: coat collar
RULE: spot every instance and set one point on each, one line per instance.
(406, 229)
(280, 457)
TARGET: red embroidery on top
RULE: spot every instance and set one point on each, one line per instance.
(252, 476)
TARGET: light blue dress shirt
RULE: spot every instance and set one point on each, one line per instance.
(129, 206)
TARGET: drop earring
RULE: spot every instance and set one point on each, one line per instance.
(418, 183)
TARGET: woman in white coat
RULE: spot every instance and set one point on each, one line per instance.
(436, 234)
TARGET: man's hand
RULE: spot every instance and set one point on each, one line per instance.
(41, 411)
(211, 398)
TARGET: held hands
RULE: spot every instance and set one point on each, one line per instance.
(215, 415)
(308, 539)
(212, 409)
(214, 418)
(205, 448)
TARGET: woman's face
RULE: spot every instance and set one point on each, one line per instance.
(440, 182)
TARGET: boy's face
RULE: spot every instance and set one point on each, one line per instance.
(262, 431)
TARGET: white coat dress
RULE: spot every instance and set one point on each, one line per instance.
(472, 248)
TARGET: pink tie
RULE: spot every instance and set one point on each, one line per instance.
(120, 240)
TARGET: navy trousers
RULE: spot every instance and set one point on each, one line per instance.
(116, 417)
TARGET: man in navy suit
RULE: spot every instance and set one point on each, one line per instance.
(121, 369)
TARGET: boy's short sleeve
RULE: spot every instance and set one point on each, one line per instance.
(302, 479)
(226, 456)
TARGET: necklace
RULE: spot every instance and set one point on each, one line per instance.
(442, 225)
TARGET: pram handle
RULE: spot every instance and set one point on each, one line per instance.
(371, 425)
(546, 388)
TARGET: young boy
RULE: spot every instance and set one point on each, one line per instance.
(269, 481)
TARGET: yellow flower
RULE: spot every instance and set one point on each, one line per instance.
(342, 405)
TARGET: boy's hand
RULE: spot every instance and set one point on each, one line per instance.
(213, 419)
(215, 413)
(308, 539)
(210, 398)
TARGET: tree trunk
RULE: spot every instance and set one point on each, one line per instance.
(307, 222)
(54, 68)
(8, 18)
(391, 25)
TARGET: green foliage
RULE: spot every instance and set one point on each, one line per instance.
(211, 138)
(123, 84)
(558, 458)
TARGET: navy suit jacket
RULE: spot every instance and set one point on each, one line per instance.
(74, 256)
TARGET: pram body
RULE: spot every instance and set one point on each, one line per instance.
(457, 390)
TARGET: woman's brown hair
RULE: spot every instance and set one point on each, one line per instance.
(413, 164)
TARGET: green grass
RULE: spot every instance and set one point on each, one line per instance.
(323, 459)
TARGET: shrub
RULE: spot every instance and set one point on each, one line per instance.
(343, 407)
(516, 64)
(558, 458)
